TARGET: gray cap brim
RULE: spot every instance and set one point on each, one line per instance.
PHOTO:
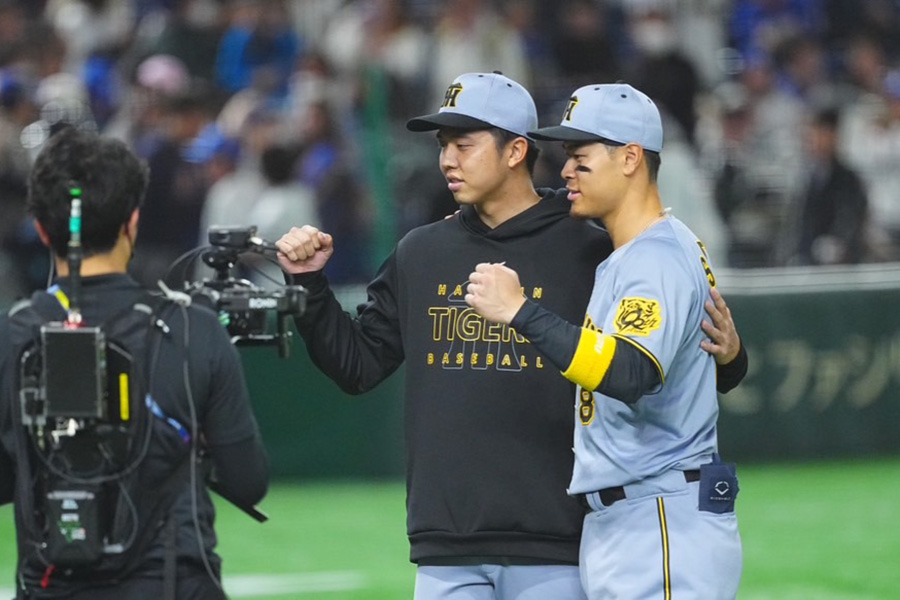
(562, 133)
(446, 119)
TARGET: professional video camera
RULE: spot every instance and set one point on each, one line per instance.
(244, 307)
(86, 409)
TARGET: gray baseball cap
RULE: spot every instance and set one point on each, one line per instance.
(479, 101)
(614, 112)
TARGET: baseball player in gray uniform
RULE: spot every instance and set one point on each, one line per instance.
(661, 523)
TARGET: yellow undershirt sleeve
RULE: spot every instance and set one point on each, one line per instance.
(592, 359)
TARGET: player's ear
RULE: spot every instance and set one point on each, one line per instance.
(518, 151)
(632, 158)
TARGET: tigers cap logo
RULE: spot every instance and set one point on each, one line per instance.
(451, 95)
(567, 114)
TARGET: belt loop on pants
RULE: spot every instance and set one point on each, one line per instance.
(609, 496)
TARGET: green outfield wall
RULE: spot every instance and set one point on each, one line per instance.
(824, 381)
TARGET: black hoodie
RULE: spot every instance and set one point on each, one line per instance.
(489, 421)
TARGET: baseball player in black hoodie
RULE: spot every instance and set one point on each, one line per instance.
(488, 457)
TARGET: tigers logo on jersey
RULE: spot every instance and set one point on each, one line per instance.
(567, 114)
(638, 316)
(451, 95)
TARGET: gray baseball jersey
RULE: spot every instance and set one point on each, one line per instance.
(650, 293)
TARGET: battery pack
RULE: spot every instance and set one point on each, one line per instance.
(74, 526)
(74, 373)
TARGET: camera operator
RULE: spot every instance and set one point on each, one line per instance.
(194, 378)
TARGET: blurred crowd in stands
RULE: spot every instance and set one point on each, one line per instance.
(782, 117)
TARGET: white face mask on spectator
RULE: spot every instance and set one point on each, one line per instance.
(654, 37)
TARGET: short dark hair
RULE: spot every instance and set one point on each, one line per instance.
(502, 137)
(651, 158)
(112, 180)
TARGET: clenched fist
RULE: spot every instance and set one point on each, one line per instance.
(304, 250)
(494, 292)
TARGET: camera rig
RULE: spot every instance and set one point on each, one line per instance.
(244, 307)
(80, 395)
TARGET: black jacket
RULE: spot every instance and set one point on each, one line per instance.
(833, 208)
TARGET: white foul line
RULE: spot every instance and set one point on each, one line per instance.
(244, 586)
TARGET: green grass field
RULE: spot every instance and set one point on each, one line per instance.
(824, 531)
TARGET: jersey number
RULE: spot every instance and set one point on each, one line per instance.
(705, 262)
(586, 407)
